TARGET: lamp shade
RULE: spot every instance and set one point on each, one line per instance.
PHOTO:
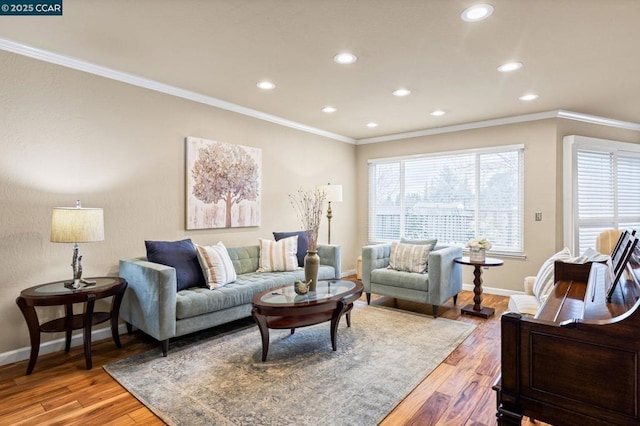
(77, 225)
(333, 192)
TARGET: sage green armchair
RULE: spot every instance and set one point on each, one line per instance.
(442, 281)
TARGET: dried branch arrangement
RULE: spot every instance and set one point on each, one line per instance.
(308, 206)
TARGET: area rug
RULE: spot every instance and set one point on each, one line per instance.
(222, 381)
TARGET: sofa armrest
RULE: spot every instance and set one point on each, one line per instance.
(374, 257)
(445, 275)
(330, 255)
(528, 285)
(149, 303)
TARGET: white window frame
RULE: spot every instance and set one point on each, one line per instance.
(518, 252)
(571, 145)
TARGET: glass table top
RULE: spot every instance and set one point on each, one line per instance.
(324, 290)
(59, 287)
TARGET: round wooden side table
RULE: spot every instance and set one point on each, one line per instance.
(56, 293)
(477, 309)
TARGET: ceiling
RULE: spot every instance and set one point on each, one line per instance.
(578, 55)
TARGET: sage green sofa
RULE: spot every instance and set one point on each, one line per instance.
(152, 304)
(442, 280)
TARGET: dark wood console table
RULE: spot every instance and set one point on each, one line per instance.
(56, 293)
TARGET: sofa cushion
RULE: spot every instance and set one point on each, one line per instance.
(524, 304)
(198, 301)
(245, 259)
(303, 243)
(545, 278)
(278, 255)
(180, 255)
(216, 265)
(409, 257)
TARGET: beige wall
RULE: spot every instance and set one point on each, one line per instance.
(65, 135)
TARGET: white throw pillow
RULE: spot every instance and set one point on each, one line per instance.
(545, 279)
(278, 255)
(216, 265)
(409, 257)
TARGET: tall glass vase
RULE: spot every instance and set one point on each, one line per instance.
(311, 264)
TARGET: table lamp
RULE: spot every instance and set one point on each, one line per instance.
(333, 193)
(77, 225)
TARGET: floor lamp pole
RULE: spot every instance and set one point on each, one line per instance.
(329, 216)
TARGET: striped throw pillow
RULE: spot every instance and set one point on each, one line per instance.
(545, 279)
(216, 265)
(278, 255)
(409, 257)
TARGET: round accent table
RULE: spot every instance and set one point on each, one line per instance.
(282, 308)
(477, 309)
(56, 293)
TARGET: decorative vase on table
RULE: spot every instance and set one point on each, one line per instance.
(477, 254)
(311, 264)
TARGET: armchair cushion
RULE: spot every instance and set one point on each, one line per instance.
(409, 257)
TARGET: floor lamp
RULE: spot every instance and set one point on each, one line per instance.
(332, 193)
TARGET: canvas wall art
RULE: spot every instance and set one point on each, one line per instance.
(223, 184)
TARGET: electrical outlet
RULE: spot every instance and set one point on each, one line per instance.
(538, 216)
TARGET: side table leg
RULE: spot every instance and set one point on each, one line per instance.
(68, 326)
(115, 313)
(31, 317)
(264, 332)
(477, 288)
(88, 322)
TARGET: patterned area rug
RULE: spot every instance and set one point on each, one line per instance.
(220, 380)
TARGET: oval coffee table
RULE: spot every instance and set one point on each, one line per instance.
(282, 308)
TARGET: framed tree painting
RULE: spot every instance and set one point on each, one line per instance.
(223, 184)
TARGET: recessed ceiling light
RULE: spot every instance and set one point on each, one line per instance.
(401, 92)
(372, 124)
(329, 109)
(510, 66)
(266, 85)
(345, 58)
(477, 13)
(528, 97)
(438, 113)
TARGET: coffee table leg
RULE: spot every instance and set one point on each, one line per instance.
(264, 332)
(335, 320)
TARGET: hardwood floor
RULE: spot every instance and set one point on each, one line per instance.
(61, 391)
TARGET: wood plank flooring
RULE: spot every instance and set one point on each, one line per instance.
(62, 392)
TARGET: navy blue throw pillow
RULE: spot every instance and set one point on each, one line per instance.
(180, 255)
(303, 243)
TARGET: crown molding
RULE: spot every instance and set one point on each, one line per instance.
(88, 67)
(568, 115)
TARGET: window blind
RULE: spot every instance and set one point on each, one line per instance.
(449, 196)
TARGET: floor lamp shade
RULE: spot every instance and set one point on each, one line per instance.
(77, 225)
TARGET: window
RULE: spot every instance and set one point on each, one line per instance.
(602, 189)
(452, 196)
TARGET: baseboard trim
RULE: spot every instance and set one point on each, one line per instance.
(56, 345)
(492, 290)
